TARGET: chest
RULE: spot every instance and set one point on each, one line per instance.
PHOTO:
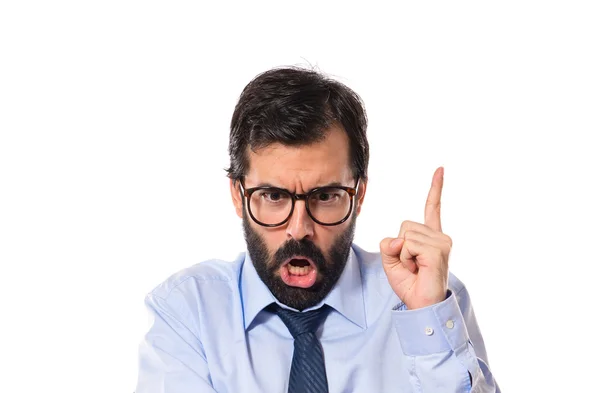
(357, 359)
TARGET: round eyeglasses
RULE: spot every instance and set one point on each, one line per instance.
(272, 206)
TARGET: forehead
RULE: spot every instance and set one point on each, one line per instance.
(303, 167)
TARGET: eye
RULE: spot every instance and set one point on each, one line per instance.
(273, 196)
(326, 196)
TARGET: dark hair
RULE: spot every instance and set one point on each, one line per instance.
(295, 106)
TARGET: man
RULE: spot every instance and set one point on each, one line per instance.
(304, 309)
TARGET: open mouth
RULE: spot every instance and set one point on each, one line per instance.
(298, 272)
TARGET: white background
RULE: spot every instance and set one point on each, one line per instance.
(114, 123)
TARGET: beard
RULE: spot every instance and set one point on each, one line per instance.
(329, 269)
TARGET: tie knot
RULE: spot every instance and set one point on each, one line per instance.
(300, 322)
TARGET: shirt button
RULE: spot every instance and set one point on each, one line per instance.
(450, 324)
(428, 331)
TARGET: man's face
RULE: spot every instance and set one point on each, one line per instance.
(300, 261)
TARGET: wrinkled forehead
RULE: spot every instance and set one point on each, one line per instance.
(302, 167)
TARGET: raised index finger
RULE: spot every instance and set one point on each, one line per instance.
(433, 205)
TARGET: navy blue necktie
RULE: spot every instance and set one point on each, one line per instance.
(308, 366)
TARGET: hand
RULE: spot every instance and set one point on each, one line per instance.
(416, 262)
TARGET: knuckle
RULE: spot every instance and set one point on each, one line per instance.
(448, 240)
(406, 224)
(445, 253)
(440, 253)
(403, 226)
(383, 244)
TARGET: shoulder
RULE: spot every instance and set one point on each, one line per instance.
(369, 262)
(213, 272)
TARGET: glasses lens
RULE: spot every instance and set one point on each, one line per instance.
(329, 205)
(270, 206)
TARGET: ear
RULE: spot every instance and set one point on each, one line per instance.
(360, 195)
(236, 197)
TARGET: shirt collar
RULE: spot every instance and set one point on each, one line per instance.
(346, 297)
(255, 294)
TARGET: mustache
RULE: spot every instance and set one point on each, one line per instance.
(305, 248)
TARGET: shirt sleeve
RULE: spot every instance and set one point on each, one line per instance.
(171, 357)
(445, 348)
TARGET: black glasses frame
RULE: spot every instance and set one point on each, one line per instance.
(247, 192)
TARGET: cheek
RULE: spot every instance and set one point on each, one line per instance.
(273, 239)
(325, 237)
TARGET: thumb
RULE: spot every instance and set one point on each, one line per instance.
(390, 248)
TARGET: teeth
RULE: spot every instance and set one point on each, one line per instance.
(298, 271)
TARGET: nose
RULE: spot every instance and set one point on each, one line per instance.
(300, 225)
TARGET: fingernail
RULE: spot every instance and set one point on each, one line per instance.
(395, 243)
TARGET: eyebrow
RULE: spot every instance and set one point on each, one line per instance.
(333, 184)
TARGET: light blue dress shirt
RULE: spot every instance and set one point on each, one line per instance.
(209, 333)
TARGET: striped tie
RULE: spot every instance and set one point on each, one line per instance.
(308, 366)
